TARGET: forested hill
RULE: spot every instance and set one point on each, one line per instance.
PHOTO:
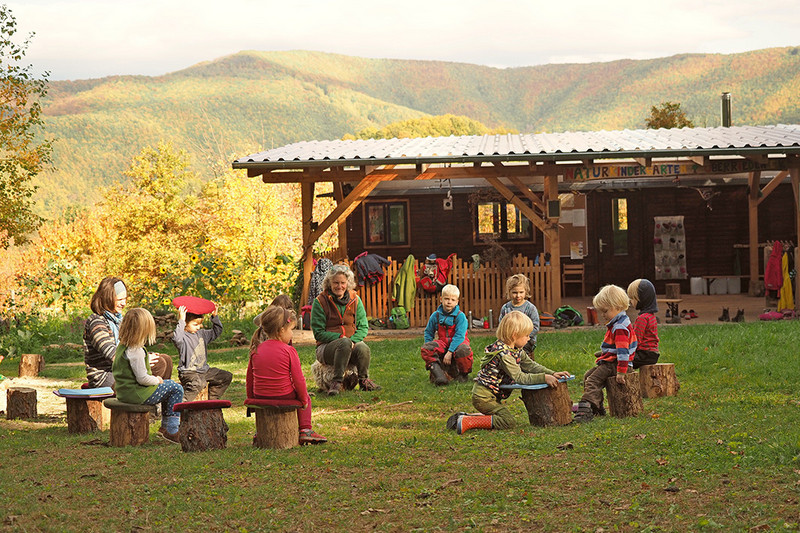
(235, 105)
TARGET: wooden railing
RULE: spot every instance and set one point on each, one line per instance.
(481, 289)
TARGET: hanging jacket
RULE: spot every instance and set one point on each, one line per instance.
(369, 267)
(787, 294)
(773, 277)
(404, 289)
(315, 283)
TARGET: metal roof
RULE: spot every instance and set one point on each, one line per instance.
(567, 146)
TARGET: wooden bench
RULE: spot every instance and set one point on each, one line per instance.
(546, 406)
(658, 380)
(85, 410)
(202, 425)
(672, 304)
(130, 422)
(276, 423)
(624, 399)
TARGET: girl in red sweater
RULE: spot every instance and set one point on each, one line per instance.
(274, 370)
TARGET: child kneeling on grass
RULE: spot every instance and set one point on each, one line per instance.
(504, 363)
(616, 351)
(274, 371)
(446, 351)
(133, 381)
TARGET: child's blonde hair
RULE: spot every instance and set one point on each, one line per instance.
(451, 290)
(518, 280)
(137, 328)
(611, 297)
(283, 300)
(514, 325)
(633, 290)
(273, 320)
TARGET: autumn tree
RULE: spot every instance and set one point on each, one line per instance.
(22, 154)
(668, 115)
(437, 126)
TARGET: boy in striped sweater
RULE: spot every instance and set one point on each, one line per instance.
(616, 351)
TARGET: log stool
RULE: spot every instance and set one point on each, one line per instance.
(202, 425)
(20, 403)
(276, 423)
(546, 406)
(130, 422)
(85, 410)
(624, 399)
(658, 380)
(30, 364)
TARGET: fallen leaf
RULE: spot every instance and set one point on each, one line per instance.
(655, 415)
(661, 462)
(761, 527)
(566, 446)
(640, 436)
(672, 488)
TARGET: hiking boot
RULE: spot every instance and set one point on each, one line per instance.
(367, 384)
(438, 377)
(336, 388)
(739, 316)
(309, 436)
(584, 413)
(725, 317)
(452, 422)
(172, 437)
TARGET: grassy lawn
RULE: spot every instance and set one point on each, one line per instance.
(723, 455)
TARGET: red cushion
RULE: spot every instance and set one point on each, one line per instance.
(85, 386)
(259, 402)
(206, 404)
(198, 306)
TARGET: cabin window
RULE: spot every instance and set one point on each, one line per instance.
(502, 221)
(619, 224)
(386, 223)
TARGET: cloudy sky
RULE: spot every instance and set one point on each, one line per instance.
(78, 39)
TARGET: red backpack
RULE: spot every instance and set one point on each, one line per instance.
(435, 272)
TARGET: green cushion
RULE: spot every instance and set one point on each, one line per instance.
(114, 404)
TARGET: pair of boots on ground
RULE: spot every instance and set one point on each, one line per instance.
(726, 317)
(440, 377)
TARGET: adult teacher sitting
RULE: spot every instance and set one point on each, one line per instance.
(101, 335)
(339, 323)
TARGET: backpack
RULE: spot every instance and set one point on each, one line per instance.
(568, 316)
(435, 272)
(398, 318)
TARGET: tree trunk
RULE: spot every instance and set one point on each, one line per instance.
(658, 380)
(20, 403)
(85, 415)
(203, 429)
(624, 399)
(548, 407)
(276, 429)
(30, 364)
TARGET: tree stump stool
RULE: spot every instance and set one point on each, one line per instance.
(546, 406)
(672, 291)
(130, 422)
(30, 364)
(20, 403)
(276, 423)
(85, 409)
(202, 425)
(323, 376)
(658, 380)
(624, 399)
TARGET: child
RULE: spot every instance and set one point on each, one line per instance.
(643, 297)
(518, 289)
(133, 381)
(504, 363)
(616, 351)
(274, 370)
(192, 343)
(446, 351)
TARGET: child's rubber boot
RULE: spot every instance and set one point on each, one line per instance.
(584, 413)
(452, 422)
(467, 422)
(438, 377)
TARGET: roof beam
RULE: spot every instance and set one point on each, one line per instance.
(526, 210)
(772, 185)
(698, 160)
(525, 190)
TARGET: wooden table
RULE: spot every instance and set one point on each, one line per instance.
(672, 305)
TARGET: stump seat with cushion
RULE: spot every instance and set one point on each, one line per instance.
(546, 406)
(276, 422)
(85, 409)
(130, 422)
(202, 426)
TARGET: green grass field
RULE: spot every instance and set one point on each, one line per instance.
(723, 455)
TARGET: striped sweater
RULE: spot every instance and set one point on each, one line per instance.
(99, 348)
(620, 343)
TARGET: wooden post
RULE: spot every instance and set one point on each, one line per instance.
(548, 407)
(130, 423)
(553, 242)
(85, 415)
(795, 175)
(658, 380)
(30, 364)
(754, 182)
(624, 399)
(205, 429)
(276, 428)
(20, 403)
(307, 208)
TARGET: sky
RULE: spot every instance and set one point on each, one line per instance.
(79, 39)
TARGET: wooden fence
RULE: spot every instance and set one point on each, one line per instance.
(482, 289)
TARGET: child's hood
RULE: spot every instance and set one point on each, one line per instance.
(647, 298)
(493, 349)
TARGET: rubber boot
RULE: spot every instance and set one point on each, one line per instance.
(467, 422)
(739, 316)
(584, 412)
(438, 377)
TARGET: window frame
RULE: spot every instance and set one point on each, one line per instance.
(385, 208)
(500, 210)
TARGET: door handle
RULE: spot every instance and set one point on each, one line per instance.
(601, 243)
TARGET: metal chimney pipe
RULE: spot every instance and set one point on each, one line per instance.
(726, 110)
